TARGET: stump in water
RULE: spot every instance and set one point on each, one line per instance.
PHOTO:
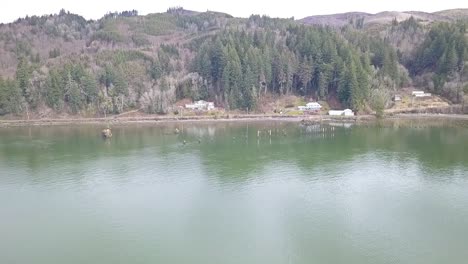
(106, 133)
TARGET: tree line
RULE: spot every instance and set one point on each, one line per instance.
(241, 65)
(237, 62)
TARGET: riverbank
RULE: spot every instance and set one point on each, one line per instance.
(165, 119)
(228, 118)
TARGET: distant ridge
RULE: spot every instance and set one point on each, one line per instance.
(338, 20)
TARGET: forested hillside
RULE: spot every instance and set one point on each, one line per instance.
(64, 64)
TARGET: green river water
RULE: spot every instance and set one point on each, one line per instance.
(317, 194)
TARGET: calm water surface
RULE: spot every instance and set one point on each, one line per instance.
(321, 194)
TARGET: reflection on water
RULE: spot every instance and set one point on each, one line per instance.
(250, 192)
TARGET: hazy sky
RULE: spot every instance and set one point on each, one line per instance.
(93, 9)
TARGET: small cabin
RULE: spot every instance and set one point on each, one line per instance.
(397, 98)
(312, 106)
(201, 105)
(421, 94)
(346, 112)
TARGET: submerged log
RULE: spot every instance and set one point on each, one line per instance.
(106, 133)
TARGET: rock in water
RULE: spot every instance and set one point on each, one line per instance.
(107, 133)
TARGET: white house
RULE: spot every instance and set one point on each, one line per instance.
(201, 105)
(421, 94)
(346, 112)
(312, 106)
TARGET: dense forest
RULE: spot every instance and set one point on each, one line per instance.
(64, 64)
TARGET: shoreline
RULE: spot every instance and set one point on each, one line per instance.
(234, 118)
(158, 120)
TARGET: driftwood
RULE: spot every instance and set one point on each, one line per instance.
(106, 133)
